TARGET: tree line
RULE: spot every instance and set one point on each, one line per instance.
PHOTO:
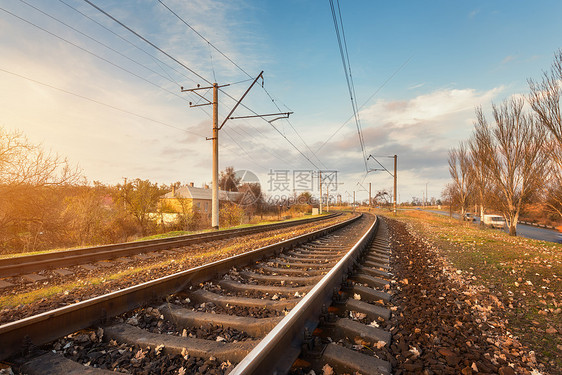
(46, 202)
(514, 157)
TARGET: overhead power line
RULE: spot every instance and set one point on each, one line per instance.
(367, 101)
(90, 52)
(100, 103)
(147, 41)
(95, 40)
(342, 44)
(248, 74)
(195, 73)
(205, 39)
(155, 58)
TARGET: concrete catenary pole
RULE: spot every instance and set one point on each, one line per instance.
(215, 192)
(320, 188)
(395, 185)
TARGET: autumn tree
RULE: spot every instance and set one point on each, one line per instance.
(141, 199)
(459, 168)
(545, 101)
(513, 150)
(30, 179)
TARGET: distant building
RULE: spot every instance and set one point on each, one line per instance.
(188, 197)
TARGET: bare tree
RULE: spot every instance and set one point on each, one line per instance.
(545, 101)
(28, 177)
(514, 156)
(478, 171)
(459, 168)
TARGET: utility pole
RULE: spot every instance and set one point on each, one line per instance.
(395, 185)
(215, 137)
(426, 197)
(327, 199)
(320, 188)
(215, 171)
(370, 199)
(353, 200)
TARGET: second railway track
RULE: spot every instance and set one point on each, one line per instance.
(57, 259)
(256, 311)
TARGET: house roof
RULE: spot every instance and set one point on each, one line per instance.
(200, 193)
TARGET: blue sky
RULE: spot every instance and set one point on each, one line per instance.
(444, 58)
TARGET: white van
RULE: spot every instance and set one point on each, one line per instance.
(494, 221)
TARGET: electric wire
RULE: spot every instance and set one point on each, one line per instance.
(205, 39)
(91, 53)
(97, 41)
(156, 59)
(242, 70)
(367, 101)
(100, 103)
(147, 41)
(196, 74)
(342, 44)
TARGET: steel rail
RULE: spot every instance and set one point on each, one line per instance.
(50, 325)
(280, 348)
(32, 263)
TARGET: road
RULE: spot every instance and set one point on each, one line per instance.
(523, 230)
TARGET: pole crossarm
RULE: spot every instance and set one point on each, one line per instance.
(379, 163)
(282, 115)
(194, 90)
(242, 98)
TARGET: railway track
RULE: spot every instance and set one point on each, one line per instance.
(292, 306)
(58, 259)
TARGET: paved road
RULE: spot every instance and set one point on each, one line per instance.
(523, 230)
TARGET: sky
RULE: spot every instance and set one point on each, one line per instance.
(88, 89)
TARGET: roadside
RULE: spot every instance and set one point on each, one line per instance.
(519, 281)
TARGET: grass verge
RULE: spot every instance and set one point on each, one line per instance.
(525, 274)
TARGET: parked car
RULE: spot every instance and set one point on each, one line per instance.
(468, 217)
(494, 221)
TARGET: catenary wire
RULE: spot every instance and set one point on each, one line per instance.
(345, 64)
(196, 74)
(147, 41)
(99, 102)
(97, 41)
(241, 69)
(156, 59)
(367, 101)
(90, 52)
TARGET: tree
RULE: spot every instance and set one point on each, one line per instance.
(478, 171)
(30, 179)
(459, 168)
(545, 101)
(514, 153)
(141, 199)
(228, 180)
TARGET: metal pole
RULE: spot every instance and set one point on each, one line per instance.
(320, 188)
(215, 192)
(370, 199)
(395, 192)
(327, 199)
(354, 200)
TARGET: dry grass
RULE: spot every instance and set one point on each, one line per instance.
(525, 274)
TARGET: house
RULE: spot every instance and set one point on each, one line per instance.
(188, 197)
